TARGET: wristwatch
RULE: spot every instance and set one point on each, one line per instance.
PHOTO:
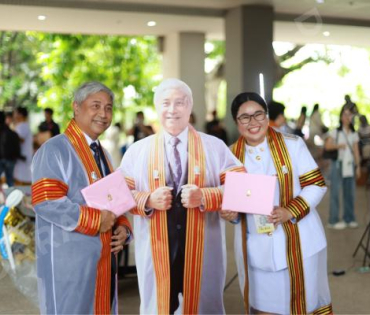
(128, 234)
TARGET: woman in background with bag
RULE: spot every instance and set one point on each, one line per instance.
(344, 170)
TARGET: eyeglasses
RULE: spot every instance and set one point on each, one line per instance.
(246, 119)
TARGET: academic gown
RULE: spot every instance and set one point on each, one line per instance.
(73, 258)
(218, 160)
(269, 279)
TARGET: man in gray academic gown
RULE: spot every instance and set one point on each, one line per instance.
(76, 245)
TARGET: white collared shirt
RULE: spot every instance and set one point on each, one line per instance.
(258, 158)
(89, 140)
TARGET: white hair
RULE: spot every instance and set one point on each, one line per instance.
(173, 83)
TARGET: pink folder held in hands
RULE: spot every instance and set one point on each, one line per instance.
(110, 193)
(249, 193)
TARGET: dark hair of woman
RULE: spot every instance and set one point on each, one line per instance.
(351, 127)
(241, 98)
(23, 111)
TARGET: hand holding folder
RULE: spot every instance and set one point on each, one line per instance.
(249, 193)
(110, 193)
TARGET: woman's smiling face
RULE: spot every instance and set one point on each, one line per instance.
(252, 122)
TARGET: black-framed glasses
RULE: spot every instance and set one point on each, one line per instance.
(258, 116)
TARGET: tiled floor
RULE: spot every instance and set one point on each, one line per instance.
(350, 292)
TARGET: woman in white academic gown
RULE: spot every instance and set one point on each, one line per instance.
(283, 271)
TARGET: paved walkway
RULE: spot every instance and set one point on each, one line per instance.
(350, 292)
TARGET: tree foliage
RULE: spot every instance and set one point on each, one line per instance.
(284, 64)
(43, 70)
(20, 80)
(289, 58)
(116, 61)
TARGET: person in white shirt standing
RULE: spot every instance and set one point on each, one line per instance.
(22, 169)
(344, 170)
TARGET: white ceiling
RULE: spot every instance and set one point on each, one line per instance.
(356, 9)
(131, 17)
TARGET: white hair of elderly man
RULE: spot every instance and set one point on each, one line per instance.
(173, 83)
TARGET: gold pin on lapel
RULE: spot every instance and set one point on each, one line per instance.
(249, 193)
(110, 198)
(284, 169)
(94, 177)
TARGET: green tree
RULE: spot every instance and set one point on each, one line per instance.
(116, 61)
(284, 64)
(20, 80)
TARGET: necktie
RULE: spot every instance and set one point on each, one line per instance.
(95, 148)
(175, 162)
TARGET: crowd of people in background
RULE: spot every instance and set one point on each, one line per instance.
(351, 164)
(17, 145)
(341, 155)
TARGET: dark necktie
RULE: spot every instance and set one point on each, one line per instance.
(175, 162)
(98, 159)
(94, 146)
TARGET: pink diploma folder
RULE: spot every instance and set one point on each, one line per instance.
(249, 193)
(110, 193)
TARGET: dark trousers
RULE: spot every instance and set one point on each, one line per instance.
(113, 277)
(177, 280)
(7, 166)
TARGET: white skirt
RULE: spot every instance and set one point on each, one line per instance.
(270, 291)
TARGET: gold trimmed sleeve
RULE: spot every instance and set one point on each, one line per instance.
(141, 198)
(89, 221)
(212, 198)
(48, 189)
(299, 208)
(313, 177)
(130, 182)
(240, 169)
(324, 310)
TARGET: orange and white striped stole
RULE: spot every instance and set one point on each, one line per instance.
(238, 148)
(102, 287)
(313, 177)
(194, 228)
(284, 169)
(48, 189)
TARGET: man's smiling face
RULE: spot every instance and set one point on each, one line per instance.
(94, 114)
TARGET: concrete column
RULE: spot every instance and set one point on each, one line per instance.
(249, 36)
(183, 58)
